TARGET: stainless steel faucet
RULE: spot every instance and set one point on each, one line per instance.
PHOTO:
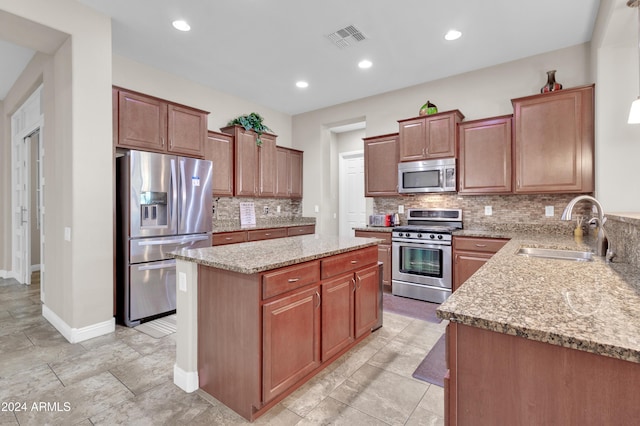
(601, 238)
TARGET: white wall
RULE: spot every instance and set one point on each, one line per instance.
(483, 93)
(79, 159)
(221, 106)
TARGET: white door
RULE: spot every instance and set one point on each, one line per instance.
(352, 201)
(21, 232)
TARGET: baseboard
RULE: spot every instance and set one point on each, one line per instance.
(6, 274)
(76, 335)
(35, 268)
(185, 380)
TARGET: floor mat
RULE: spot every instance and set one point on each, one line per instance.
(433, 367)
(160, 327)
(410, 307)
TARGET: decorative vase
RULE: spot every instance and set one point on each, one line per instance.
(428, 109)
(552, 85)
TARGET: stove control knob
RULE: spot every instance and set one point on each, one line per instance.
(432, 236)
(439, 237)
(407, 235)
(419, 235)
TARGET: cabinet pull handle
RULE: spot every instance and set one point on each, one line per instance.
(228, 238)
(267, 234)
(358, 279)
(293, 280)
(353, 281)
(353, 262)
(162, 140)
(481, 245)
(319, 301)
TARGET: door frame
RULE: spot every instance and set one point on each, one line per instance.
(342, 196)
(27, 120)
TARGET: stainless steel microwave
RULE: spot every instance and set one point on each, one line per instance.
(427, 176)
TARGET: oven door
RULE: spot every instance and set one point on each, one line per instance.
(422, 263)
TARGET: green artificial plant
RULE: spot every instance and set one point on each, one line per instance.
(253, 122)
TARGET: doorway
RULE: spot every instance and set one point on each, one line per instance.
(27, 192)
(352, 203)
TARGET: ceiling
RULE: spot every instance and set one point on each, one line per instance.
(258, 49)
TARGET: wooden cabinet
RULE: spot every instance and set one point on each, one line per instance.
(267, 166)
(484, 156)
(384, 252)
(151, 124)
(554, 141)
(222, 238)
(219, 149)
(288, 173)
(266, 234)
(469, 254)
(381, 165)
(291, 340)
(245, 161)
(429, 136)
(300, 230)
(233, 237)
(261, 336)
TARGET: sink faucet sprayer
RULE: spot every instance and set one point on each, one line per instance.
(601, 238)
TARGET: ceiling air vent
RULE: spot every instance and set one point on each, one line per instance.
(344, 37)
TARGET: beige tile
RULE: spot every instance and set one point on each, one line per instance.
(419, 333)
(145, 344)
(28, 358)
(422, 417)
(312, 393)
(14, 342)
(165, 404)
(24, 384)
(77, 402)
(45, 335)
(433, 400)
(143, 373)
(399, 358)
(333, 412)
(8, 418)
(381, 394)
(120, 333)
(91, 363)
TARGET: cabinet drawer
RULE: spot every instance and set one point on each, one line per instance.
(350, 261)
(489, 245)
(386, 236)
(229, 238)
(267, 234)
(301, 230)
(289, 278)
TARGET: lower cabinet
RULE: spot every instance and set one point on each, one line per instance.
(233, 237)
(469, 254)
(261, 336)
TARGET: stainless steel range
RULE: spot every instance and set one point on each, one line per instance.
(421, 254)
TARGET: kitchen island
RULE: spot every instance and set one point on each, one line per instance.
(257, 320)
(544, 341)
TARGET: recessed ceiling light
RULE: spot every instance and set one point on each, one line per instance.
(452, 35)
(302, 84)
(181, 25)
(364, 64)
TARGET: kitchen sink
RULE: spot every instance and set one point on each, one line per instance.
(573, 255)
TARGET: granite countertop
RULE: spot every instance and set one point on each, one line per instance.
(259, 256)
(234, 225)
(590, 306)
(374, 228)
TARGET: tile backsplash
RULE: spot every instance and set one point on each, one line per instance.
(228, 208)
(506, 209)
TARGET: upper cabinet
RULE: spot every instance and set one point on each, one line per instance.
(381, 165)
(484, 156)
(219, 149)
(267, 166)
(288, 173)
(429, 136)
(245, 160)
(151, 124)
(554, 141)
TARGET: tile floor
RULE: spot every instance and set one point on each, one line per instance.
(127, 377)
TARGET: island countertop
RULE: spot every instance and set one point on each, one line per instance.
(590, 306)
(259, 256)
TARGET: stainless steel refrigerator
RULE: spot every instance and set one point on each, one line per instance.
(163, 204)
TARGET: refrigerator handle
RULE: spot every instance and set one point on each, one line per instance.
(163, 265)
(183, 194)
(182, 240)
(174, 189)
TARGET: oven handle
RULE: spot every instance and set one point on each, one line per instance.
(402, 243)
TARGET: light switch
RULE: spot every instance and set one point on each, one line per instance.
(67, 233)
(316, 208)
(549, 211)
(401, 209)
(277, 209)
(182, 281)
(488, 210)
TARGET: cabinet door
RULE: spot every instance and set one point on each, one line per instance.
(186, 130)
(282, 172)
(441, 136)
(366, 299)
(266, 234)
(485, 156)
(219, 239)
(267, 166)
(381, 166)
(295, 174)
(466, 264)
(554, 142)
(246, 163)
(219, 149)
(142, 122)
(337, 315)
(291, 340)
(412, 138)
